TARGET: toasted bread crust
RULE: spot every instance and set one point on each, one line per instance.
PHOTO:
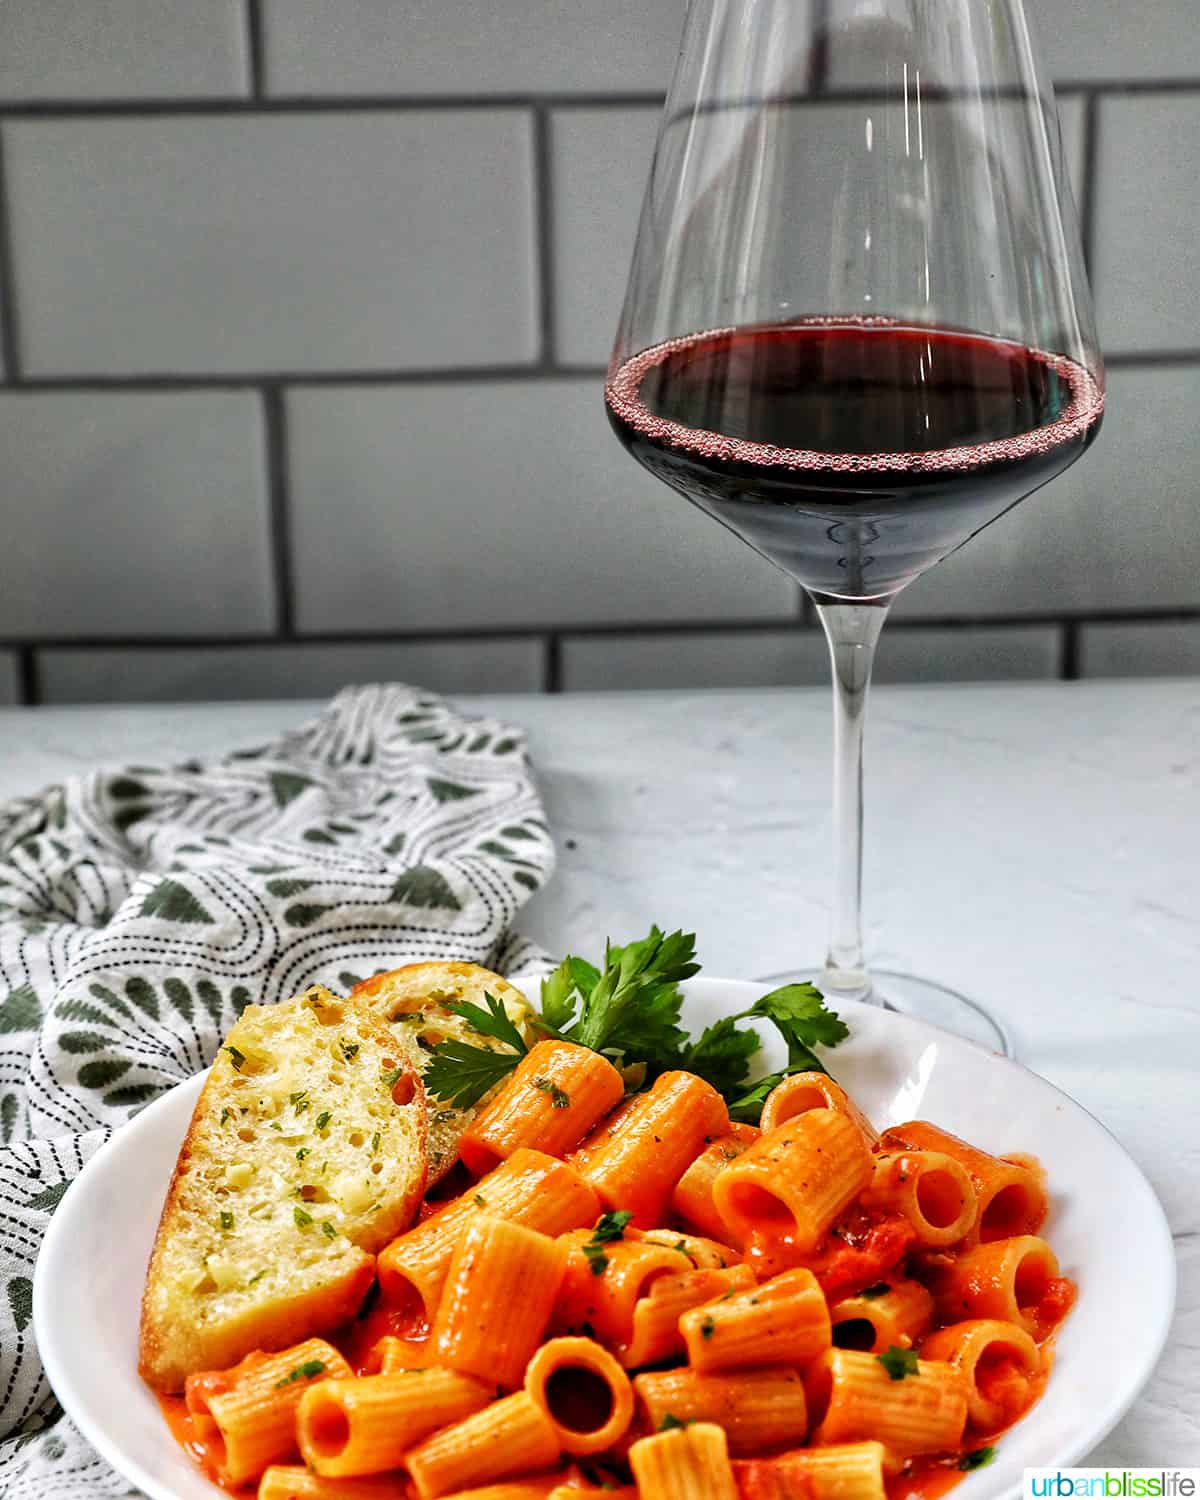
(253, 1251)
(413, 1000)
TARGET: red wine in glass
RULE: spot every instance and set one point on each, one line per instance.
(853, 453)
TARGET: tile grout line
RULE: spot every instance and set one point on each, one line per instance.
(278, 509)
(544, 248)
(583, 99)
(1149, 359)
(552, 681)
(10, 344)
(29, 687)
(1069, 666)
(665, 628)
(254, 47)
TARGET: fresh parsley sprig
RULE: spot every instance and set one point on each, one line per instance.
(630, 1012)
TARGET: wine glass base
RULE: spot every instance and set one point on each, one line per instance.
(923, 999)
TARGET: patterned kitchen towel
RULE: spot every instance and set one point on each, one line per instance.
(141, 911)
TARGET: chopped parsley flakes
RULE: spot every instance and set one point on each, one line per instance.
(226, 1219)
(323, 1119)
(979, 1459)
(559, 1097)
(306, 1371)
(899, 1362)
(236, 1057)
(303, 1219)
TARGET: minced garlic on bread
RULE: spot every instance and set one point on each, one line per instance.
(305, 1155)
(413, 999)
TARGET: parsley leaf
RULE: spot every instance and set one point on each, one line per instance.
(596, 1258)
(979, 1459)
(306, 1371)
(611, 1226)
(462, 1074)
(491, 1022)
(722, 1056)
(670, 1422)
(323, 1119)
(303, 1219)
(226, 1219)
(899, 1362)
(236, 1057)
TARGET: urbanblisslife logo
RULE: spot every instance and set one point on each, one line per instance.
(1112, 1484)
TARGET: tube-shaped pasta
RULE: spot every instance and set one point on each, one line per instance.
(533, 1487)
(255, 1415)
(584, 1393)
(704, 1254)
(513, 1436)
(555, 1095)
(366, 1425)
(688, 1463)
(1005, 1279)
(294, 1482)
(656, 1334)
(637, 1166)
(500, 1289)
(529, 1188)
(800, 1092)
(692, 1199)
(391, 1355)
(1011, 1195)
(783, 1322)
(790, 1186)
(842, 1471)
(852, 1397)
(574, 1491)
(601, 1289)
(892, 1315)
(760, 1410)
(933, 1191)
(1002, 1364)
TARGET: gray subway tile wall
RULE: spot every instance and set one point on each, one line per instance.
(393, 241)
(134, 514)
(299, 243)
(1148, 222)
(152, 674)
(321, 47)
(799, 658)
(72, 50)
(450, 507)
(1119, 531)
(1153, 649)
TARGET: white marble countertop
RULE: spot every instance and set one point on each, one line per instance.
(1033, 845)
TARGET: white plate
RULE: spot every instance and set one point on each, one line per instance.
(1105, 1224)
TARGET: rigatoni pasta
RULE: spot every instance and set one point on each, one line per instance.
(785, 1321)
(555, 1096)
(689, 1463)
(792, 1184)
(513, 1436)
(636, 1166)
(633, 1297)
(855, 1396)
(760, 1410)
(584, 1393)
(365, 1426)
(500, 1289)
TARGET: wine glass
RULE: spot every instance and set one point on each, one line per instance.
(858, 328)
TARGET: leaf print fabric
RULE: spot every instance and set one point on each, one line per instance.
(142, 910)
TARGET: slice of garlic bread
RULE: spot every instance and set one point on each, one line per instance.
(414, 999)
(305, 1155)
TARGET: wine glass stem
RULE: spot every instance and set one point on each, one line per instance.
(852, 631)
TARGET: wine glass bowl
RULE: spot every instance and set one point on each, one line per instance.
(857, 327)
